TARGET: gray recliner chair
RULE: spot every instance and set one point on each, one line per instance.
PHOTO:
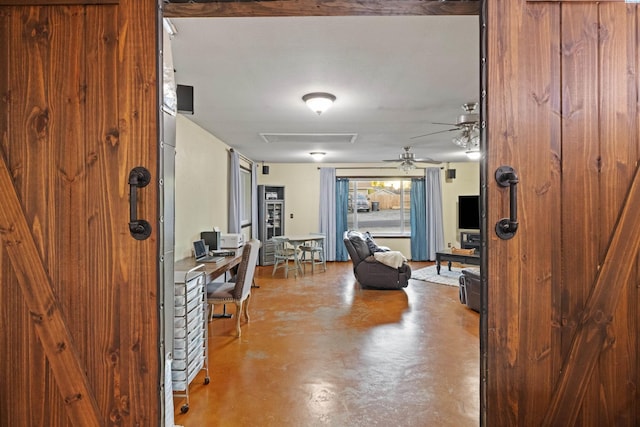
(368, 271)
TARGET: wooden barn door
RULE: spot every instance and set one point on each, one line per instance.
(78, 293)
(561, 316)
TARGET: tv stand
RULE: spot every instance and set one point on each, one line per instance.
(470, 240)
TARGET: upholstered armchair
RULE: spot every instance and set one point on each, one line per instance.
(238, 291)
(370, 272)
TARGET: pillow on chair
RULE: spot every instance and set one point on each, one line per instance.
(373, 246)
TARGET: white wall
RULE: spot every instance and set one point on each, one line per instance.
(201, 184)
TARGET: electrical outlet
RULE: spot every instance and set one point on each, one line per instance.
(291, 216)
(449, 244)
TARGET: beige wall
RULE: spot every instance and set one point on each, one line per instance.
(466, 182)
(201, 189)
(201, 184)
(302, 193)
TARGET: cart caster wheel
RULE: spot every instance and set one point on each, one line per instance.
(184, 409)
(206, 380)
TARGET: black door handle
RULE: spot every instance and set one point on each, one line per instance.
(139, 177)
(506, 177)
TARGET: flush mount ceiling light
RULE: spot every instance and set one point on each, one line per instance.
(319, 102)
(317, 155)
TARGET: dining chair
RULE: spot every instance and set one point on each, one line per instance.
(315, 250)
(283, 253)
(238, 291)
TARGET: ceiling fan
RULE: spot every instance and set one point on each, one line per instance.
(408, 160)
(467, 122)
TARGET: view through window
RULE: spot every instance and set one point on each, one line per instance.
(381, 206)
(245, 183)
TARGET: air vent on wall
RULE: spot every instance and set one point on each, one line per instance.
(310, 138)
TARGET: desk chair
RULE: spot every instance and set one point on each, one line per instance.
(282, 254)
(239, 291)
(313, 248)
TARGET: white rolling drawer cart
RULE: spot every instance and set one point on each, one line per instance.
(190, 344)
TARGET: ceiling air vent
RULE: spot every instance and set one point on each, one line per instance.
(309, 138)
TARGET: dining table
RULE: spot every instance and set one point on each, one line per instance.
(297, 240)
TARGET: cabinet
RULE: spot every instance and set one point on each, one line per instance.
(190, 344)
(470, 240)
(270, 219)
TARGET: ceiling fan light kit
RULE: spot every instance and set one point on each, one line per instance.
(319, 102)
(468, 125)
(407, 166)
(408, 160)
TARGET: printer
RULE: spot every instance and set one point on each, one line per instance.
(233, 240)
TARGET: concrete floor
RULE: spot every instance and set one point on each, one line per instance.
(321, 351)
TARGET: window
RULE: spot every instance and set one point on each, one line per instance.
(245, 191)
(381, 206)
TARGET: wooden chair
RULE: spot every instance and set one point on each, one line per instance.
(239, 291)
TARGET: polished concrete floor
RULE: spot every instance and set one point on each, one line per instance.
(321, 351)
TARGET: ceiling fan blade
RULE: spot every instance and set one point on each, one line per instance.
(434, 133)
(446, 124)
(434, 162)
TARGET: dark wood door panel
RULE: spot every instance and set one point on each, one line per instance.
(562, 110)
(79, 112)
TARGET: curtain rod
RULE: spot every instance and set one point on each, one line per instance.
(242, 156)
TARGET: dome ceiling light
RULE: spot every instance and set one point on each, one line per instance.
(319, 102)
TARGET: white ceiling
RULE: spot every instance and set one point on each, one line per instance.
(392, 76)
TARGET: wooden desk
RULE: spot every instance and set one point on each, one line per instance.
(211, 269)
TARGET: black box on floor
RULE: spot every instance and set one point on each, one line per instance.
(470, 288)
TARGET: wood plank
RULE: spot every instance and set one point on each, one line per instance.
(137, 304)
(322, 8)
(28, 152)
(103, 178)
(584, 1)
(523, 131)
(44, 309)
(618, 140)
(55, 2)
(580, 180)
(635, 408)
(592, 333)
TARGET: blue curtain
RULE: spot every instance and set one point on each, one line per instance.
(435, 229)
(235, 194)
(418, 220)
(342, 196)
(327, 207)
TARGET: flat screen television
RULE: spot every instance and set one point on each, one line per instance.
(469, 212)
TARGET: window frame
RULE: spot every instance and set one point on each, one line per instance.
(404, 225)
(246, 196)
